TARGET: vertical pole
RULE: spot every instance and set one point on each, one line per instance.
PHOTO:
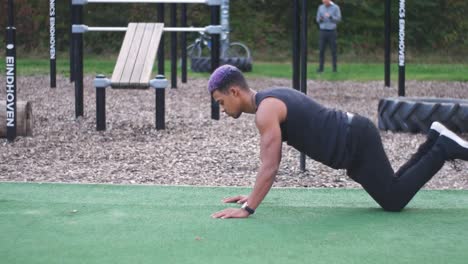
(226, 28)
(183, 44)
(160, 108)
(215, 41)
(295, 45)
(52, 42)
(173, 46)
(160, 19)
(159, 83)
(303, 59)
(78, 62)
(401, 49)
(10, 75)
(388, 21)
(71, 42)
(160, 94)
(100, 108)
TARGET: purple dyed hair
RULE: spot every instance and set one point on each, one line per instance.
(225, 76)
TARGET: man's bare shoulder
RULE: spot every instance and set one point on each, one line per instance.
(270, 110)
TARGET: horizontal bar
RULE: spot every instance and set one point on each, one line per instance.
(208, 2)
(217, 29)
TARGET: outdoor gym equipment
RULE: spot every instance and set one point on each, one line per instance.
(11, 74)
(15, 116)
(299, 50)
(133, 70)
(233, 53)
(78, 29)
(414, 114)
(52, 49)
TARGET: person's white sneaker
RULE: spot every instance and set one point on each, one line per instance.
(438, 127)
(455, 147)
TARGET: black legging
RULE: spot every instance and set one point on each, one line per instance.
(371, 168)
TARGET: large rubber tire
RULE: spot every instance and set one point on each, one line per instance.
(415, 115)
(203, 64)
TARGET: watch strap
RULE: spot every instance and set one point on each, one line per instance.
(246, 207)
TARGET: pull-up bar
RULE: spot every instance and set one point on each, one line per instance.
(208, 29)
(207, 2)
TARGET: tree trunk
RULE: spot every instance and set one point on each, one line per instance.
(24, 119)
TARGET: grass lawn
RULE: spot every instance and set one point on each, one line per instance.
(67, 223)
(347, 71)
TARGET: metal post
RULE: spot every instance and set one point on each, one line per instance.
(160, 109)
(303, 59)
(53, 65)
(78, 62)
(225, 25)
(215, 39)
(296, 45)
(388, 22)
(183, 44)
(11, 74)
(159, 84)
(71, 43)
(101, 83)
(100, 108)
(173, 46)
(401, 48)
(160, 18)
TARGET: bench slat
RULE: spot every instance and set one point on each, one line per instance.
(152, 52)
(123, 54)
(136, 58)
(132, 55)
(141, 55)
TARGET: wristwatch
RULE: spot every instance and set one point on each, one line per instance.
(246, 207)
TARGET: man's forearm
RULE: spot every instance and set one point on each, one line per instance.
(265, 178)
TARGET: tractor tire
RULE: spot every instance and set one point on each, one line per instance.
(415, 115)
(203, 64)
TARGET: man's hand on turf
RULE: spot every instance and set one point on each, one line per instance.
(240, 199)
(231, 213)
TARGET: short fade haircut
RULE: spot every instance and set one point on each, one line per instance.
(225, 77)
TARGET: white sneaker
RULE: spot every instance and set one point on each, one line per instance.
(438, 127)
(454, 146)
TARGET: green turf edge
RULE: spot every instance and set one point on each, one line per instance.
(171, 224)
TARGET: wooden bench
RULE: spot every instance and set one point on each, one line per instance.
(136, 58)
(134, 69)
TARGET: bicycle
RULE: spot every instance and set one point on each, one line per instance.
(233, 49)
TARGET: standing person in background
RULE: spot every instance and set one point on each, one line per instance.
(328, 15)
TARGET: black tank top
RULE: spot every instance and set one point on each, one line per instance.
(311, 128)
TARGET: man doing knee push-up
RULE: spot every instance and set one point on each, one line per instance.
(335, 138)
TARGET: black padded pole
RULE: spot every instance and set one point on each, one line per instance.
(71, 42)
(173, 46)
(183, 44)
(303, 60)
(215, 45)
(100, 109)
(401, 48)
(52, 41)
(10, 74)
(295, 45)
(387, 23)
(160, 108)
(160, 19)
(78, 63)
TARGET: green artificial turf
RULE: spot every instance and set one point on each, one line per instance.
(66, 223)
